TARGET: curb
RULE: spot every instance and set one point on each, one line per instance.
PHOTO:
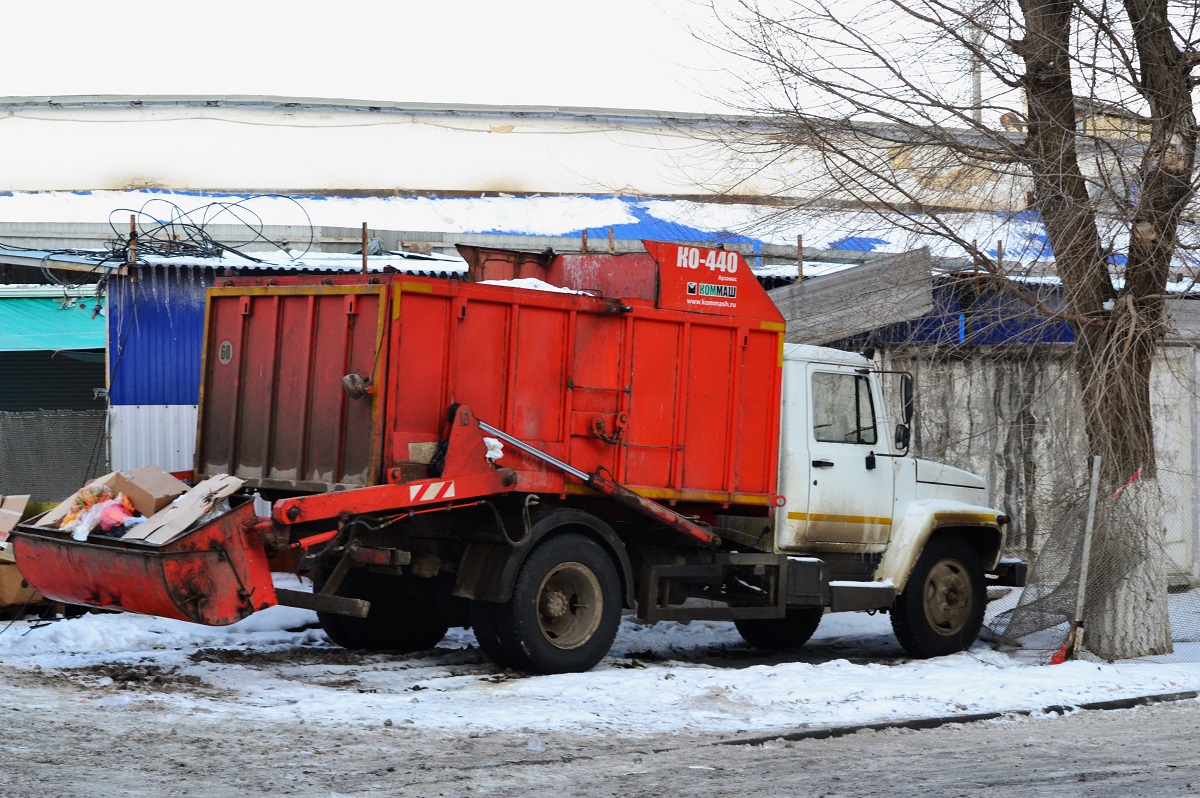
(933, 723)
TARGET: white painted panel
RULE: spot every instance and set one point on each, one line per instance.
(161, 435)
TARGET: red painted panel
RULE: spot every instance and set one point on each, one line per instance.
(710, 354)
(274, 410)
(538, 377)
(215, 575)
(481, 359)
(710, 281)
(653, 403)
(757, 444)
(220, 388)
(667, 398)
(598, 394)
(291, 417)
(417, 375)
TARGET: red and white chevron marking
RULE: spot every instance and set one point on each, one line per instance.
(431, 491)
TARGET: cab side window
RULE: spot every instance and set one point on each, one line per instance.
(842, 410)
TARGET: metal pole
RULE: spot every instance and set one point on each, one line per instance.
(364, 249)
(1076, 638)
(540, 455)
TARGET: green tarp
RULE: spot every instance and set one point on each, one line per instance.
(44, 323)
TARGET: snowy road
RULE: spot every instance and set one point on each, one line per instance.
(126, 705)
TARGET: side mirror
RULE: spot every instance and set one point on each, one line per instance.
(903, 433)
(906, 399)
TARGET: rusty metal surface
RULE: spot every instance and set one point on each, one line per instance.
(215, 575)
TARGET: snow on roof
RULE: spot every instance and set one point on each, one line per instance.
(532, 284)
(1018, 239)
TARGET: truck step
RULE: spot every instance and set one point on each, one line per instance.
(747, 585)
(851, 596)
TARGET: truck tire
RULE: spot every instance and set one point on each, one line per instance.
(485, 622)
(565, 607)
(941, 609)
(332, 623)
(777, 634)
(403, 617)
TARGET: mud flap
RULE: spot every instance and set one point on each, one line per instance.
(216, 574)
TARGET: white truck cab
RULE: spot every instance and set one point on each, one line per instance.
(892, 531)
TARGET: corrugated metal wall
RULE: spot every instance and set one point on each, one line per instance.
(155, 333)
(161, 435)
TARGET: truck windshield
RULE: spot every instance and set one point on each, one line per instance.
(842, 409)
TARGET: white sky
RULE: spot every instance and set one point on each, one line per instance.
(620, 53)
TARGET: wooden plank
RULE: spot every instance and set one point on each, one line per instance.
(888, 291)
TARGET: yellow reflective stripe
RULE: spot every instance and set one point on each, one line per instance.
(419, 288)
(841, 519)
(776, 326)
(946, 517)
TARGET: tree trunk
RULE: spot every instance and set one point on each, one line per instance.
(1126, 617)
(1118, 332)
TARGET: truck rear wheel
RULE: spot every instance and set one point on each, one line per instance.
(565, 607)
(485, 621)
(403, 617)
(941, 609)
(777, 634)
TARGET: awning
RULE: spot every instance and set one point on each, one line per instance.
(31, 324)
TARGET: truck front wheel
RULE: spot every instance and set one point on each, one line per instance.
(779, 634)
(565, 607)
(941, 609)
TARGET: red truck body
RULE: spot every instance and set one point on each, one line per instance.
(678, 401)
(659, 373)
(640, 413)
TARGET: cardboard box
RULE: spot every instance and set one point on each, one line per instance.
(175, 519)
(11, 509)
(149, 489)
(14, 590)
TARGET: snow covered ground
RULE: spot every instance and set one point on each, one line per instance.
(669, 678)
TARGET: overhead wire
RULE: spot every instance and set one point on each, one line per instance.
(174, 232)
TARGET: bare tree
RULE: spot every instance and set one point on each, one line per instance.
(1087, 119)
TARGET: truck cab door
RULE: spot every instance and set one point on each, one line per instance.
(840, 491)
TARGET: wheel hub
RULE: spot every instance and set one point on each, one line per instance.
(947, 597)
(554, 604)
(570, 605)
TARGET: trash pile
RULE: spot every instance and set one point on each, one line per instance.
(146, 504)
(98, 509)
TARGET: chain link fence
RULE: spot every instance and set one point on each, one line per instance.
(49, 454)
(1034, 623)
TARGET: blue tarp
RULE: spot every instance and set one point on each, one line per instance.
(38, 324)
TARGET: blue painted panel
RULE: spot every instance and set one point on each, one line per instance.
(988, 317)
(156, 332)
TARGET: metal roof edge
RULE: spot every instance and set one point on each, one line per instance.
(267, 101)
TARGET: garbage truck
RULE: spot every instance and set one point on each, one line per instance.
(535, 451)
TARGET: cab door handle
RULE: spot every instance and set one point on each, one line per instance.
(822, 463)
